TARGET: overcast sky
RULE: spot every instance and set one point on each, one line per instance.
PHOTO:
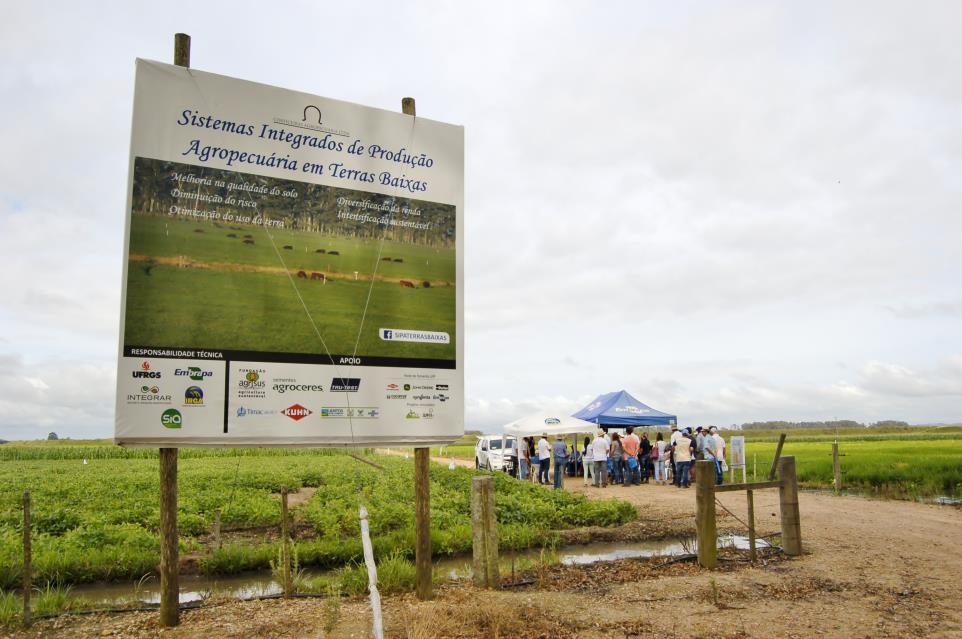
(735, 211)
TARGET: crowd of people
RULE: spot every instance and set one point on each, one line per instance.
(625, 459)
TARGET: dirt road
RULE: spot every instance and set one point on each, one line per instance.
(870, 569)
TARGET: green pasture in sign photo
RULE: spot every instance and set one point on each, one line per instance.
(199, 280)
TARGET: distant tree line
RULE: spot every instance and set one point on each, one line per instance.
(833, 424)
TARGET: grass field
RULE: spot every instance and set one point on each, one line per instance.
(98, 521)
(239, 296)
(898, 463)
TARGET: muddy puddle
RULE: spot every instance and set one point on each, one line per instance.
(262, 583)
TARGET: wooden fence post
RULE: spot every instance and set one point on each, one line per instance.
(705, 513)
(485, 527)
(788, 504)
(752, 555)
(286, 546)
(27, 559)
(778, 453)
(836, 468)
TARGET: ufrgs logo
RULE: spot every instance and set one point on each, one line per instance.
(345, 384)
(194, 396)
(145, 372)
(296, 412)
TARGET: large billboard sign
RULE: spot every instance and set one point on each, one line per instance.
(293, 271)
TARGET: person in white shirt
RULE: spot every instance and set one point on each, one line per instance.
(675, 434)
(599, 454)
(544, 459)
(588, 460)
(719, 454)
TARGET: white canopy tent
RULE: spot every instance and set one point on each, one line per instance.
(538, 424)
(552, 424)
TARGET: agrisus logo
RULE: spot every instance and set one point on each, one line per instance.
(171, 418)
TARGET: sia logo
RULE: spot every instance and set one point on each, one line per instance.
(296, 412)
(171, 418)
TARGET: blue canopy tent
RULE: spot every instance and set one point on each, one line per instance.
(619, 409)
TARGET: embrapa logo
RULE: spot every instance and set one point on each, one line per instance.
(296, 412)
(193, 373)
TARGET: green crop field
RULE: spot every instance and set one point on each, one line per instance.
(98, 521)
(239, 297)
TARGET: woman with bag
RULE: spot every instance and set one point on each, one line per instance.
(658, 454)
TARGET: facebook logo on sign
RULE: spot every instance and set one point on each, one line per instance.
(387, 333)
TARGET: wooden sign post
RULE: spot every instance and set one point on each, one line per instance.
(422, 485)
(169, 582)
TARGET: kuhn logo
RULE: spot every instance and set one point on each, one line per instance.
(392, 387)
(296, 412)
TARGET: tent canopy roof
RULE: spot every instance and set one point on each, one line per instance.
(550, 423)
(621, 409)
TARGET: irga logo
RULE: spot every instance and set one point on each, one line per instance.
(171, 418)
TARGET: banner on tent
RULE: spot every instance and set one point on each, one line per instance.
(293, 270)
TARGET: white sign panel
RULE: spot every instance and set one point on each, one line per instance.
(293, 271)
(738, 451)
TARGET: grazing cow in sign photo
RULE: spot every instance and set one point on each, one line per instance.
(198, 230)
(398, 259)
(406, 284)
(426, 284)
(317, 276)
(288, 247)
(248, 241)
(333, 253)
(385, 259)
(320, 251)
(232, 235)
(302, 274)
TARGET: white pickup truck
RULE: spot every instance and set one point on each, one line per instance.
(489, 456)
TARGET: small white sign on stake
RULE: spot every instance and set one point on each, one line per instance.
(738, 457)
